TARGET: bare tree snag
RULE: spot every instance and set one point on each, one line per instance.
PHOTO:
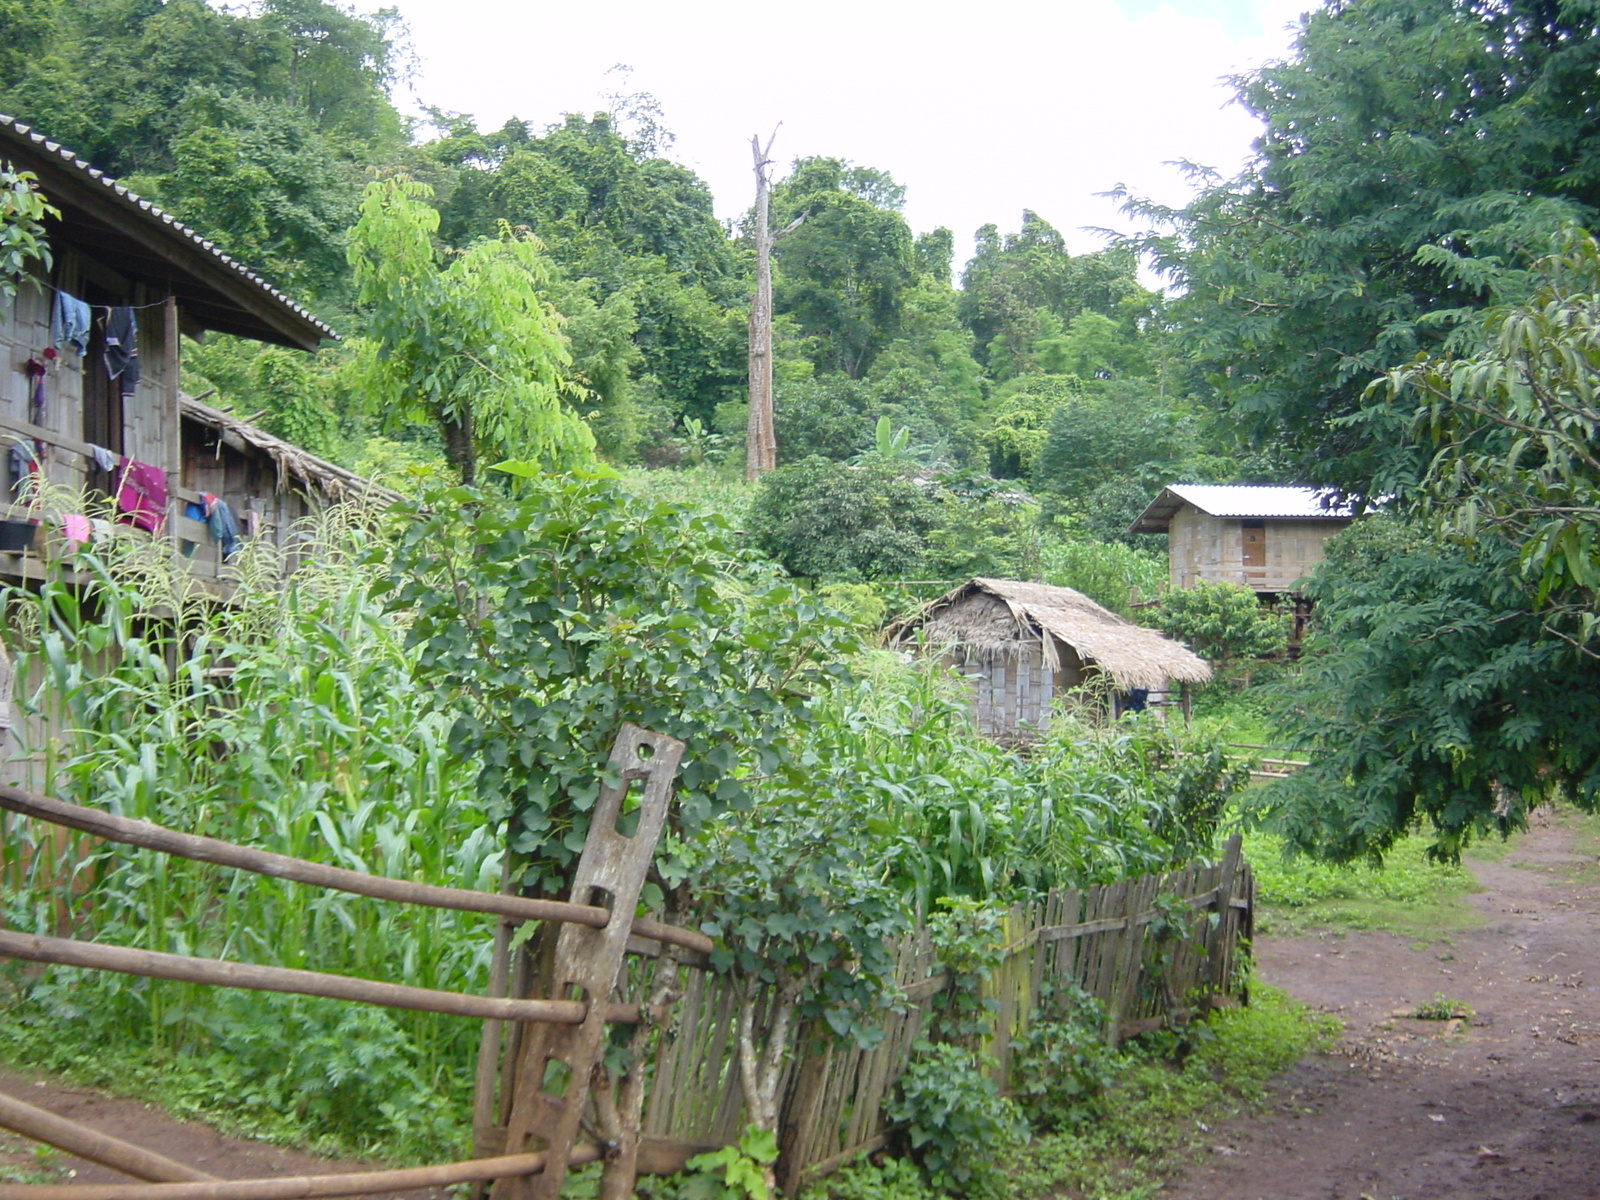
(761, 445)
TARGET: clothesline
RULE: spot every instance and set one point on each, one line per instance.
(44, 283)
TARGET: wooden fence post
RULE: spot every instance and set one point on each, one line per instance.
(552, 1081)
(1221, 959)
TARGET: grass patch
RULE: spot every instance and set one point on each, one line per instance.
(1408, 895)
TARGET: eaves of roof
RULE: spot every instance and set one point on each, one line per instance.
(108, 223)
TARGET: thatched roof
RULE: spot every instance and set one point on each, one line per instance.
(295, 466)
(999, 618)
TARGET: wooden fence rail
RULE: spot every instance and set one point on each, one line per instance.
(1151, 950)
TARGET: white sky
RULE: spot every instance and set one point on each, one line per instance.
(980, 110)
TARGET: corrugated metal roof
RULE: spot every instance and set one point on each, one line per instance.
(169, 225)
(1240, 501)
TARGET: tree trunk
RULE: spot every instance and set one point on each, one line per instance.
(459, 448)
(761, 446)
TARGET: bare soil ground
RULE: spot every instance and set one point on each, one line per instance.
(1504, 1107)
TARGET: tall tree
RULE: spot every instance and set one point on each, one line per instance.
(472, 348)
(1416, 154)
(761, 444)
(843, 274)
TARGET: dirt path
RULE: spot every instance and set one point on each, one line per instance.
(1505, 1108)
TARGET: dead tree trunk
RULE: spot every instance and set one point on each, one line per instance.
(761, 446)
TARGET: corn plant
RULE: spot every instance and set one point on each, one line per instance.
(286, 720)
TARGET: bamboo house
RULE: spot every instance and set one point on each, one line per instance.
(1022, 646)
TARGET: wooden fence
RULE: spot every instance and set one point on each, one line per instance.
(1103, 939)
(1152, 950)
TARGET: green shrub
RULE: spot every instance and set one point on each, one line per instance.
(954, 1119)
(1061, 1066)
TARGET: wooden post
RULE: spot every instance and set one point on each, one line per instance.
(1220, 958)
(171, 366)
(761, 446)
(554, 1077)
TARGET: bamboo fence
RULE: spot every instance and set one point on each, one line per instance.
(1113, 941)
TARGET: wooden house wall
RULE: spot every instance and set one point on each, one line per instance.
(1013, 694)
(148, 425)
(1201, 546)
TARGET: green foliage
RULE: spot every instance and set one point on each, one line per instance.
(1416, 156)
(1124, 434)
(827, 522)
(1440, 1007)
(1109, 573)
(1158, 1116)
(861, 602)
(842, 273)
(1516, 423)
(1061, 1067)
(733, 1172)
(955, 1119)
(316, 745)
(1222, 622)
(892, 1179)
(969, 939)
(1410, 894)
(472, 349)
(798, 896)
(1431, 696)
(555, 615)
(22, 237)
(967, 818)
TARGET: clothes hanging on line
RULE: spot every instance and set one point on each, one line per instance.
(103, 458)
(19, 461)
(224, 529)
(75, 528)
(69, 322)
(122, 348)
(142, 494)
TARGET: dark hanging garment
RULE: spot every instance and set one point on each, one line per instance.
(122, 348)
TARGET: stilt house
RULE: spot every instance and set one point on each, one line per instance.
(89, 396)
(1025, 645)
(1266, 538)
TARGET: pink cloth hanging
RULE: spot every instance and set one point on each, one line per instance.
(142, 494)
(75, 529)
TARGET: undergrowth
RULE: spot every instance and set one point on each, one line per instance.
(1153, 1118)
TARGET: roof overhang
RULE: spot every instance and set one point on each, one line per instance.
(109, 224)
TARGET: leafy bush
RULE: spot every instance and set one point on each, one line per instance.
(892, 1179)
(1061, 1066)
(1109, 573)
(955, 1120)
(1222, 622)
(825, 521)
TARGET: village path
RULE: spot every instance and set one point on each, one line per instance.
(1504, 1108)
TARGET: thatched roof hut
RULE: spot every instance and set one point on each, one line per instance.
(1029, 642)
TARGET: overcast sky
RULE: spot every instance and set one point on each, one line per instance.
(980, 110)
